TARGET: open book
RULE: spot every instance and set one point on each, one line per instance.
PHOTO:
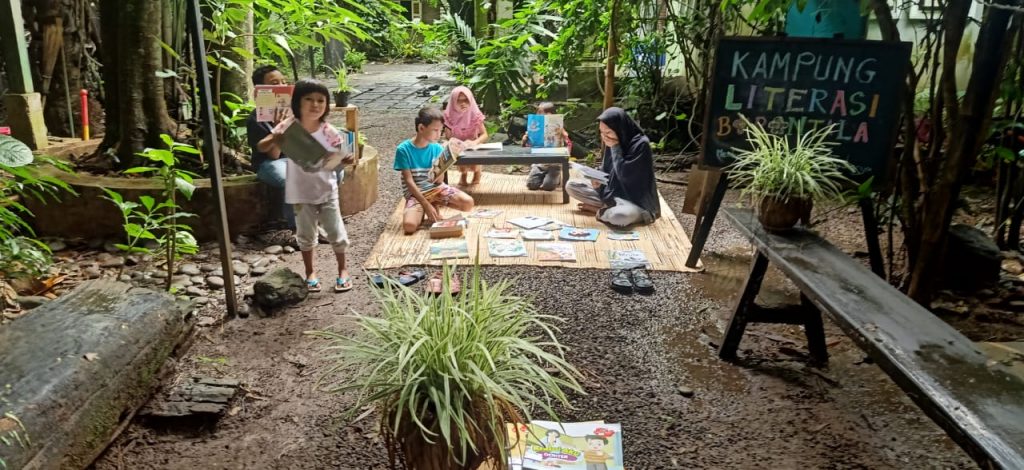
(271, 101)
(542, 445)
(590, 173)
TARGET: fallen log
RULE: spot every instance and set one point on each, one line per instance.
(73, 369)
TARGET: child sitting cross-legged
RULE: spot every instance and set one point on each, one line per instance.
(425, 191)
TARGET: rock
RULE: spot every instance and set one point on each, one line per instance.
(131, 260)
(112, 262)
(159, 274)
(1012, 266)
(127, 278)
(1016, 305)
(29, 302)
(279, 288)
(252, 258)
(92, 272)
(206, 321)
(236, 255)
(201, 300)
(215, 282)
(109, 246)
(273, 249)
(241, 240)
(244, 310)
(180, 281)
(972, 259)
(289, 249)
(56, 245)
(259, 271)
(217, 272)
(94, 243)
(151, 245)
(197, 279)
(262, 262)
(209, 267)
(240, 268)
(194, 291)
(685, 391)
(249, 291)
(189, 269)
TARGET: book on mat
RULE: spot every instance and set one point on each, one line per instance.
(542, 445)
(590, 173)
(556, 251)
(627, 259)
(502, 232)
(485, 213)
(623, 235)
(529, 222)
(448, 228)
(498, 248)
(449, 249)
(537, 234)
(307, 152)
(272, 101)
(576, 234)
(545, 130)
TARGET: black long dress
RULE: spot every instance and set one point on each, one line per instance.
(631, 171)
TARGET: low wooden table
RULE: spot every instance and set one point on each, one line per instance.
(516, 155)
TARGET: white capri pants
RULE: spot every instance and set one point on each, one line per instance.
(328, 215)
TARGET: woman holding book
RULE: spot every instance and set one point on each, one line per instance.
(463, 120)
(630, 196)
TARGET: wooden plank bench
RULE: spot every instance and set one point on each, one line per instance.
(975, 400)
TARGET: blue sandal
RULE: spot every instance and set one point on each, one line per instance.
(313, 285)
(342, 284)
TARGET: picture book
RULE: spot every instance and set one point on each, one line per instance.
(623, 235)
(542, 445)
(272, 102)
(556, 251)
(487, 146)
(579, 234)
(485, 213)
(506, 248)
(307, 152)
(558, 151)
(448, 228)
(537, 234)
(545, 130)
(627, 259)
(529, 222)
(449, 249)
(446, 160)
(502, 232)
(590, 173)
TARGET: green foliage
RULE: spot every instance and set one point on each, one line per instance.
(450, 365)
(341, 79)
(233, 119)
(148, 219)
(18, 436)
(13, 153)
(355, 60)
(803, 169)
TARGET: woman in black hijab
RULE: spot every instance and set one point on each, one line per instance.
(631, 195)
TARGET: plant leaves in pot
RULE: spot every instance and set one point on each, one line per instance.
(447, 372)
(785, 174)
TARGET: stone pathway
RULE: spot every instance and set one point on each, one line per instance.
(400, 86)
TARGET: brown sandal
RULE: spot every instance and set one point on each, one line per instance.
(435, 285)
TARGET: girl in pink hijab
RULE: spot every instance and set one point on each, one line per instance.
(463, 120)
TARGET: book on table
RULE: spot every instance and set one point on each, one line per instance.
(556, 151)
(542, 445)
(545, 130)
(272, 102)
(306, 151)
(448, 228)
(487, 146)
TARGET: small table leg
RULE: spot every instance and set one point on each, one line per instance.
(815, 331)
(739, 318)
(565, 181)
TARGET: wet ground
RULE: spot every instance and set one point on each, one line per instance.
(650, 364)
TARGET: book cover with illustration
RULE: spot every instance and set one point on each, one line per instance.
(449, 249)
(537, 234)
(628, 259)
(485, 213)
(577, 234)
(450, 227)
(623, 235)
(506, 248)
(502, 232)
(529, 222)
(545, 130)
(556, 251)
(272, 102)
(306, 151)
(446, 160)
(542, 445)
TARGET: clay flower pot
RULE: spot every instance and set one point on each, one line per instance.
(781, 215)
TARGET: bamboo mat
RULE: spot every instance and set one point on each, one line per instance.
(664, 242)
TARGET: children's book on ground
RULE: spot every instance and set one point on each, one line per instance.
(449, 249)
(590, 173)
(545, 130)
(485, 213)
(576, 234)
(537, 234)
(623, 235)
(506, 248)
(272, 101)
(448, 228)
(529, 222)
(543, 445)
(502, 232)
(628, 259)
(556, 251)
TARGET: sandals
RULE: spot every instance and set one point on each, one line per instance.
(313, 285)
(435, 285)
(625, 281)
(343, 284)
(405, 278)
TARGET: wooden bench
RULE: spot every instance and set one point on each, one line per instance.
(975, 400)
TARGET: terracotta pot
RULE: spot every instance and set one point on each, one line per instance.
(780, 215)
(341, 98)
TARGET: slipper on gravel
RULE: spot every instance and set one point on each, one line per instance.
(436, 284)
(343, 284)
(377, 280)
(642, 281)
(408, 278)
(621, 282)
(313, 285)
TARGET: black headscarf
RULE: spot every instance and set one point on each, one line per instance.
(631, 176)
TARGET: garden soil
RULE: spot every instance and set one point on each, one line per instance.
(649, 362)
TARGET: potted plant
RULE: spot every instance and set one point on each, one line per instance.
(447, 372)
(785, 174)
(343, 90)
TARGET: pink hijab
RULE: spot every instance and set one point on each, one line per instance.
(464, 125)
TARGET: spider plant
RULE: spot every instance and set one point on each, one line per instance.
(446, 372)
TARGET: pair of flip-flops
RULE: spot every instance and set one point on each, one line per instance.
(405, 278)
(435, 285)
(626, 281)
(341, 284)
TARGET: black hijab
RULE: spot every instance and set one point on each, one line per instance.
(631, 176)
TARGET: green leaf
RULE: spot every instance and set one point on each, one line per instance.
(148, 202)
(166, 73)
(184, 186)
(1005, 154)
(139, 169)
(283, 43)
(13, 153)
(168, 141)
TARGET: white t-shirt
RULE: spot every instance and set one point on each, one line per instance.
(302, 187)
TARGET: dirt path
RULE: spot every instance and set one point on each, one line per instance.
(771, 412)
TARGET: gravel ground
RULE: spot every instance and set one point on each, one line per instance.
(649, 362)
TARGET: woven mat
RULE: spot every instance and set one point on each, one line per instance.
(664, 242)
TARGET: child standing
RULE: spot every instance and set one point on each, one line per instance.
(424, 191)
(545, 176)
(314, 194)
(465, 122)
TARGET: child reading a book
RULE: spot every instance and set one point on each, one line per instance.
(464, 121)
(425, 191)
(269, 166)
(314, 194)
(545, 176)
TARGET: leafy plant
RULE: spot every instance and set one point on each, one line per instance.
(355, 60)
(233, 119)
(447, 372)
(160, 222)
(775, 167)
(15, 434)
(341, 77)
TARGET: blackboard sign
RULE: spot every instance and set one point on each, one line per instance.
(783, 83)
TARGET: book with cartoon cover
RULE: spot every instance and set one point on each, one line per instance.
(529, 221)
(542, 445)
(556, 251)
(576, 234)
(499, 248)
(545, 130)
(628, 259)
(449, 248)
(502, 232)
(623, 235)
(537, 234)
(272, 102)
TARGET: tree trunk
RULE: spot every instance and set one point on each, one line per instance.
(136, 110)
(613, 52)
